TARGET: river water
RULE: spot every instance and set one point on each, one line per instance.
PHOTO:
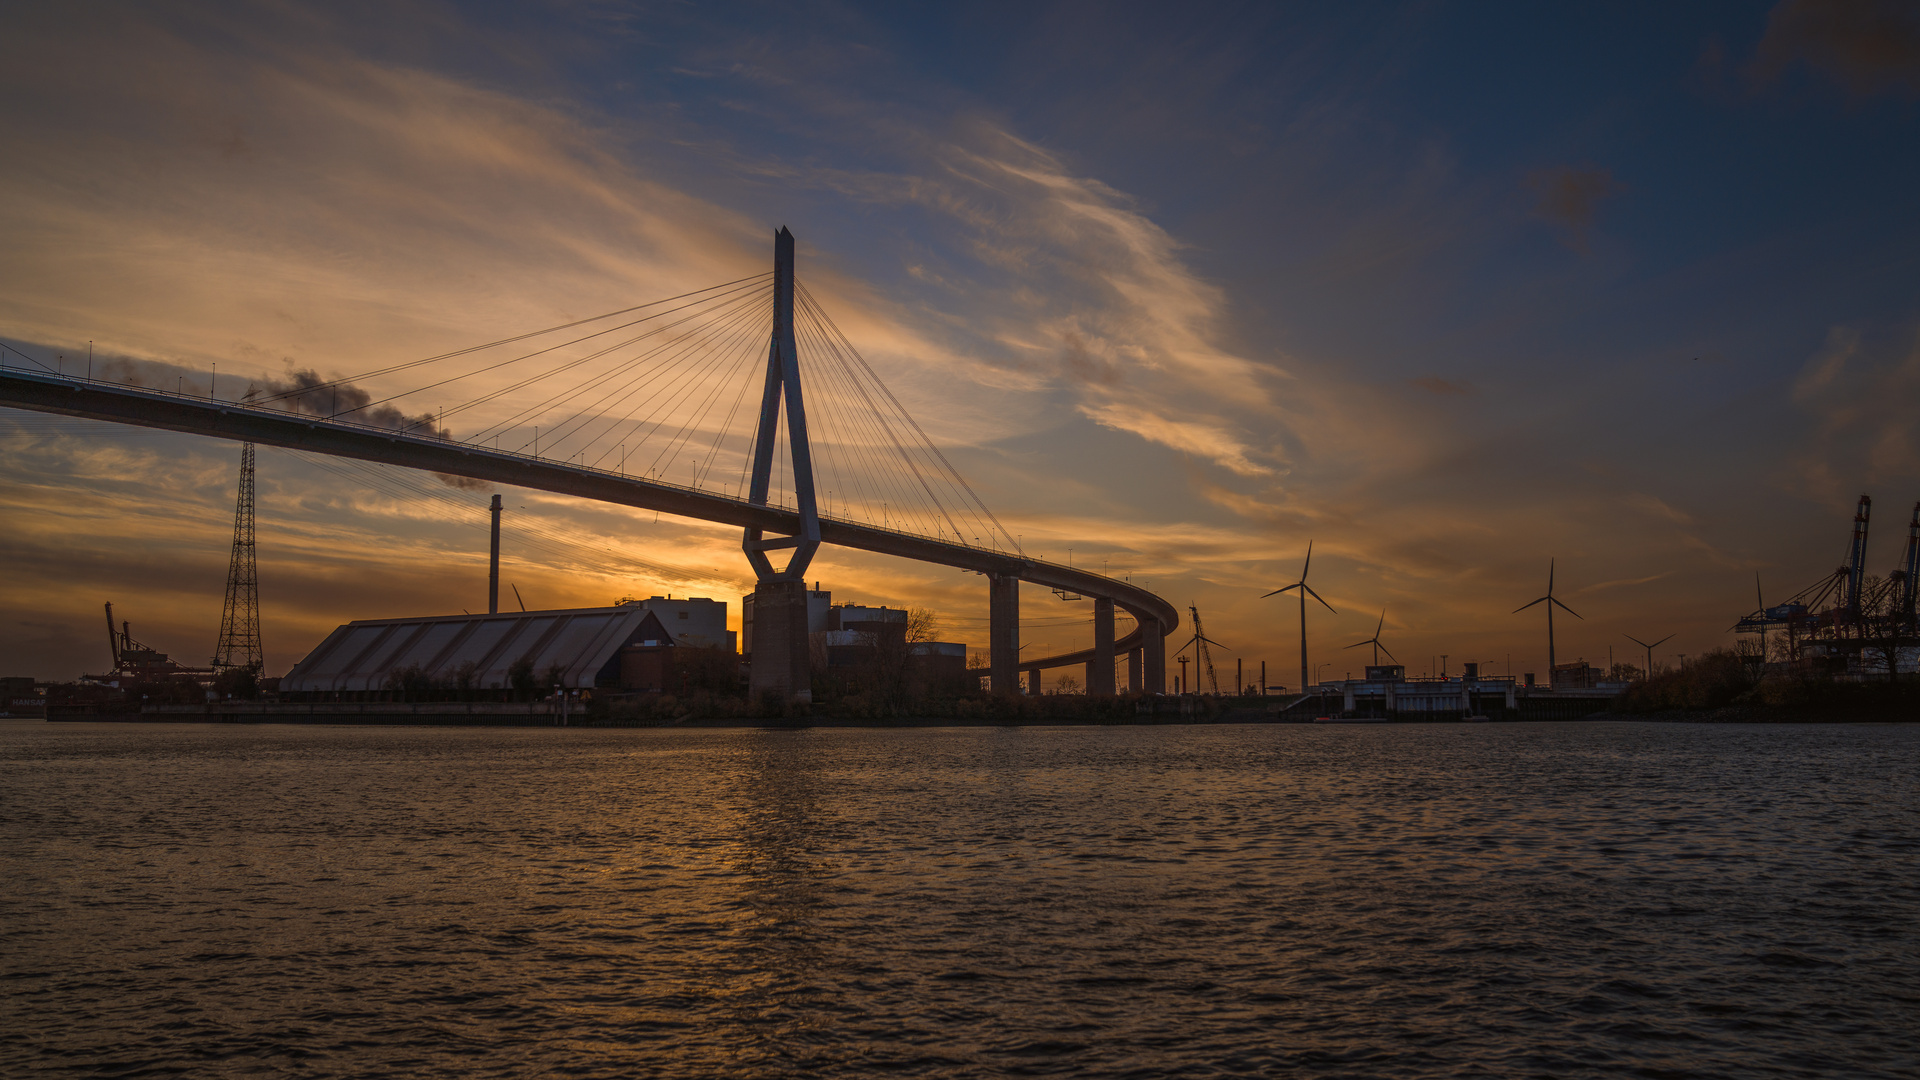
(1387, 900)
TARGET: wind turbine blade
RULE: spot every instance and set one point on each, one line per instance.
(1524, 607)
(1316, 596)
(1357, 644)
(1569, 610)
(1663, 641)
(1389, 653)
(1382, 625)
(1638, 642)
(1309, 562)
(1289, 588)
(1550, 577)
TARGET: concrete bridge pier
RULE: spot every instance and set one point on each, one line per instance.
(1133, 671)
(1154, 645)
(1033, 682)
(1100, 668)
(779, 649)
(1003, 633)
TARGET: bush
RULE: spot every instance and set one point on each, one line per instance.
(410, 683)
(1725, 680)
(1714, 681)
(238, 683)
(520, 678)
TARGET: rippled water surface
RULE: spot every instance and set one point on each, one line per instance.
(1390, 900)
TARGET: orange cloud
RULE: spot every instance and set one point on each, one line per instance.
(1867, 46)
(1570, 196)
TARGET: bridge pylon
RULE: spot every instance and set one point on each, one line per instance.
(779, 662)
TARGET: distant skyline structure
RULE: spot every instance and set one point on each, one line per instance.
(1552, 602)
(1305, 591)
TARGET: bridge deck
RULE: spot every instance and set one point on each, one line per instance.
(144, 407)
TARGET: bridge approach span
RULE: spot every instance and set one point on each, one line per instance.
(145, 407)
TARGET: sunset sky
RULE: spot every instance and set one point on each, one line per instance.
(1449, 289)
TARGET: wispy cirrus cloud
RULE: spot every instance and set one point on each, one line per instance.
(1077, 291)
(305, 204)
(1860, 397)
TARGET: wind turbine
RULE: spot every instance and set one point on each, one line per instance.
(1305, 591)
(1551, 601)
(1649, 649)
(1375, 641)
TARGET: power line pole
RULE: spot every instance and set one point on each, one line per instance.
(239, 645)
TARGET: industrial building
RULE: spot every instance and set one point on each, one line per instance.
(1387, 693)
(848, 637)
(1578, 675)
(692, 621)
(634, 646)
(611, 648)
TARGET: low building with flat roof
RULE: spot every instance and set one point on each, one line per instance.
(573, 648)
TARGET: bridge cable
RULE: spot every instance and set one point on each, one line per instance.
(675, 350)
(852, 425)
(731, 330)
(940, 506)
(924, 440)
(375, 373)
(541, 352)
(665, 352)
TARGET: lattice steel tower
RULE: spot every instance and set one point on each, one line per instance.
(240, 619)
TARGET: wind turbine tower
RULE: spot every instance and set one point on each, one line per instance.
(1551, 603)
(1305, 591)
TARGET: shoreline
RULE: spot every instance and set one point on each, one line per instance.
(1727, 715)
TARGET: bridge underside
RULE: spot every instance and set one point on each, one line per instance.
(1145, 646)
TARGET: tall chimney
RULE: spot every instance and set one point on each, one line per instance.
(493, 563)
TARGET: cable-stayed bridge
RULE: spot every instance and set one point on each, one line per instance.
(647, 407)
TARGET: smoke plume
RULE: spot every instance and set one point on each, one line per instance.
(306, 393)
